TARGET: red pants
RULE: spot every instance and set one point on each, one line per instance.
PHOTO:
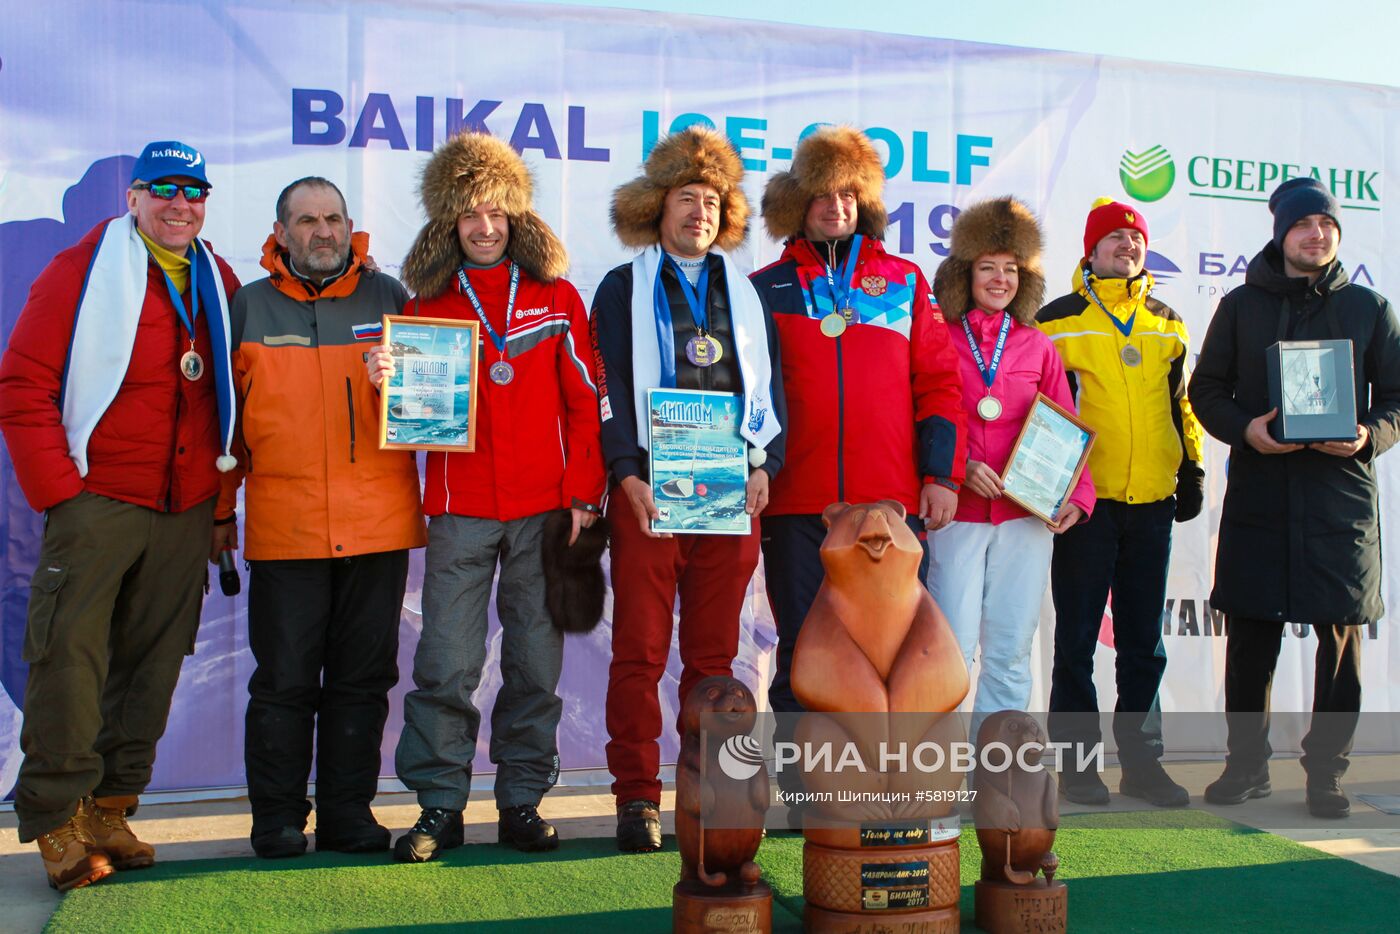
(711, 574)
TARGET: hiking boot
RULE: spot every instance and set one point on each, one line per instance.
(437, 829)
(71, 857)
(279, 842)
(1326, 798)
(106, 821)
(523, 828)
(1083, 788)
(1150, 782)
(1237, 784)
(639, 826)
(361, 834)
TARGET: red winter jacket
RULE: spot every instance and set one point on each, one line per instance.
(156, 444)
(877, 412)
(537, 446)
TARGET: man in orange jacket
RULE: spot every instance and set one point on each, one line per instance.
(330, 519)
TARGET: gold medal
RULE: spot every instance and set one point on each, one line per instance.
(192, 365)
(703, 350)
(1131, 355)
(833, 325)
(989, 408)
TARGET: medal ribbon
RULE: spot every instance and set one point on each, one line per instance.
(498, 339)
(1124, 328)
(697, 295)
(989, 373)
(845, 277)
(186, 318)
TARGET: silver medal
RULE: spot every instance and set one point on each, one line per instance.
(501, 373)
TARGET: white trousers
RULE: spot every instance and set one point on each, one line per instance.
(989, 580)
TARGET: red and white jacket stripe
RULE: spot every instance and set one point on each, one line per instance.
(537, 445)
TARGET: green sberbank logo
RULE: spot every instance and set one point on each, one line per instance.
(1148, 175)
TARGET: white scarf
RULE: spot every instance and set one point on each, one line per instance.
(104, 331)
(759, 425)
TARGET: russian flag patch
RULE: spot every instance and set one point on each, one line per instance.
(368, 332)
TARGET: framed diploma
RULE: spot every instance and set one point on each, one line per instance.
(429, 404)
(1313, 386)
(1047, 459)
(699, 462)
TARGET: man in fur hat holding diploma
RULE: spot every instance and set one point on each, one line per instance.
(870, 373)
(679, 315)
(485, 255)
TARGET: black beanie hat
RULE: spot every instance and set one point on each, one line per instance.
(1296, 199)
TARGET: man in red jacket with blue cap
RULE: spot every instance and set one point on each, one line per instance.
(116, 402)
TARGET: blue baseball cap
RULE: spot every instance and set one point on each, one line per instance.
(167, 159)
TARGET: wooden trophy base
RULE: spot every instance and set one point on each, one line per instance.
(732, 908)
(1037, 908)
(934, 921)
(881, 884)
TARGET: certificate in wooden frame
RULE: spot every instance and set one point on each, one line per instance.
(429, 403)
(1047, 459)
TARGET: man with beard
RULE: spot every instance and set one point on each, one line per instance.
(1300, 529)
(330, 519)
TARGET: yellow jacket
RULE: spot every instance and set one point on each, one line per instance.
(1130, 388)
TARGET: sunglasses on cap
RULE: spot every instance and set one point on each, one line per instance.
(166, 191)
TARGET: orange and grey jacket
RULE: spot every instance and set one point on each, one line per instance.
(308, 437)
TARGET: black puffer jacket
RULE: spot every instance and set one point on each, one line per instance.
(1300, 532)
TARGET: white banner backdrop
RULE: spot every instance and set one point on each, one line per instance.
(360, 93)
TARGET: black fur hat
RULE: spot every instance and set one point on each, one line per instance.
(573, 575)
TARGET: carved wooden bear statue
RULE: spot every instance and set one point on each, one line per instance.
(874, 639)
(719, 818)
(1015, 810)
(874, 642)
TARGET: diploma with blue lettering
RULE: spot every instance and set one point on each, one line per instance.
(429, 403)
(699, 462)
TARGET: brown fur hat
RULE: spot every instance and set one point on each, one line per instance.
(468, 169)
(1001, 225)
(834, 158)
(695, 154)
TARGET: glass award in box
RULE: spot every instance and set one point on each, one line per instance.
(1312, 385)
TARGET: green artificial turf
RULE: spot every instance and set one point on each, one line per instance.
(1173, 871)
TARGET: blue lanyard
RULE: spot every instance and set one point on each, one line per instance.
(187, 318)
(696, 295)
(845, 276)
(498, 339)
(1124, 328)
(988, 373)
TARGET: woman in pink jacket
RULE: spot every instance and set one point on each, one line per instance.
(989, 567)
